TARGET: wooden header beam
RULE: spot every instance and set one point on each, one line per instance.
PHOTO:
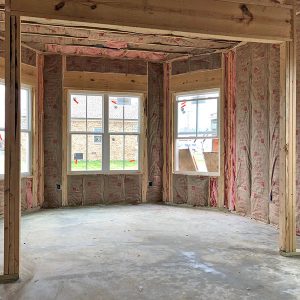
(220, 19)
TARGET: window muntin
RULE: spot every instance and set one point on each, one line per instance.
(86, 114)
(197, 133)
(26, 129)
(108, 136)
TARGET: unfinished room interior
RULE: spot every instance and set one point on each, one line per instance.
(149, 149)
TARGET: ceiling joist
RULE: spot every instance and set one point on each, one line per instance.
(259, 21)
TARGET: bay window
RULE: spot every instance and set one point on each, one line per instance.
(104, 132)
(26, 129)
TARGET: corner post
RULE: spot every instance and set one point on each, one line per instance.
(12, 205)
(287, 186)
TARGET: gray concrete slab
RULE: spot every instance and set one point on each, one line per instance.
(150, 252)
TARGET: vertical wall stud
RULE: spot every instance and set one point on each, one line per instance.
(168, 137)
(12, 148)
(287, 188)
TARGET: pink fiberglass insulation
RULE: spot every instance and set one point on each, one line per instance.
(243, 126)
(213, 192)
(191, 190)
(274, 90)
(230, 130)
(257, 133)
(104, 189)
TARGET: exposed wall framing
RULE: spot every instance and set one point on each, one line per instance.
(251, 21)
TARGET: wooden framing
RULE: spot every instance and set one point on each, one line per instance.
(287, 188)
(40, 136)
(231, 20)
(221, 188)
(12, 207)
(195, 81)
(64, 154)
(105, 81)
(259, 21)
(167, 136)
(29, 73)
(144, 141)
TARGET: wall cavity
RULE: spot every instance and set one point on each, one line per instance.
(53, 95)
(257, 135)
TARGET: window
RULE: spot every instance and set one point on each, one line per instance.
(25, 129)
(197, 132)
(104, 131)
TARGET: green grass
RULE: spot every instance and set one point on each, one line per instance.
(96, 165)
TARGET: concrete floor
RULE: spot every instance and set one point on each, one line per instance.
(150, 252)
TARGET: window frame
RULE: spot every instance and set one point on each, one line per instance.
(175, 131)
(29, 88)
(105, 134)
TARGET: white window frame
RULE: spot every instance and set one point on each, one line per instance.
(105, 134)
(175, 128)
(29, 130)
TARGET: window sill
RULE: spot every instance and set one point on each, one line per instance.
(105, 173)
(203, 174)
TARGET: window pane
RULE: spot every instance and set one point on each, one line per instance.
(2, 148)
(25, 109)
(186, 116)
(131, 126)
(131, 108)
(208, 117)
(123, 114)
(25, 152)
(94, 155)
(78, 113)
(2, 106)
(200, 155)
(116, 152)
(131, 115)
(94, 113)
(78, 152)
(131, 152)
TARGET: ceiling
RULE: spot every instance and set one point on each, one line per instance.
(54, 36)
